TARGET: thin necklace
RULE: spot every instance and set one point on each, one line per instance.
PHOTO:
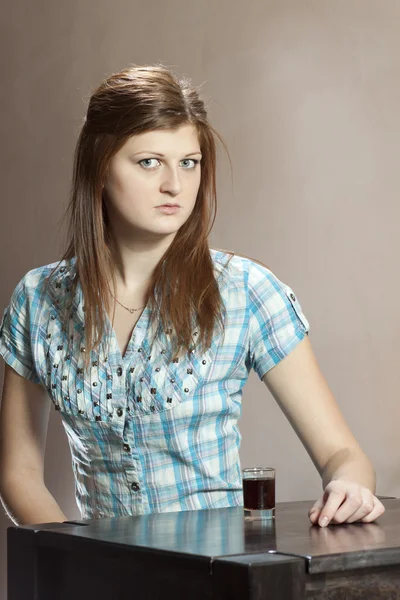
(131, 310)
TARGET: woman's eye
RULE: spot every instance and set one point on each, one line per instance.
(191, 160)
(146, 160)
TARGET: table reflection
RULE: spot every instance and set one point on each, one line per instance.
(346, 537)
(216, 532)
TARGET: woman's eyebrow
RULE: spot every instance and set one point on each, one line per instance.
(162, 155)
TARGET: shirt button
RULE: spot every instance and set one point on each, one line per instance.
(135, 486)
(120, 412)
(119, 371)
(127, 448)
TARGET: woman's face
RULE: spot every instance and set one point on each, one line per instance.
(152, 169)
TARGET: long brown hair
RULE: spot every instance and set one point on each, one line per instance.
(183, 291)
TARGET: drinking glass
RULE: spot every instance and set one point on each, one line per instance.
(259, 492)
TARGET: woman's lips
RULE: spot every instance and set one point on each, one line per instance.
(168, 210)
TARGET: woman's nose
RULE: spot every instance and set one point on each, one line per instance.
(171, 182)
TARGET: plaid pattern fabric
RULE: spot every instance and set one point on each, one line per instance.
(147, 435)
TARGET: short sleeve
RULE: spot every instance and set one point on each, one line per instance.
(15, 335)
(277, 322)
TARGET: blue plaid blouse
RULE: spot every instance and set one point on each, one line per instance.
(147, 435)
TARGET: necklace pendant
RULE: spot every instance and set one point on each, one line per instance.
(131, 310)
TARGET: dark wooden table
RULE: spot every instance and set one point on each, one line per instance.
(210, 554)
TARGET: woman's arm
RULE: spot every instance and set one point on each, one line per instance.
(24, 418)
(348, 477)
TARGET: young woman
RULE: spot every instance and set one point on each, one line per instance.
(143, 337)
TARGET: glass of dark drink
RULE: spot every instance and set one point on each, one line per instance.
(259, 492)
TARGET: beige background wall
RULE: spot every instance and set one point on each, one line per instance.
(306, 94)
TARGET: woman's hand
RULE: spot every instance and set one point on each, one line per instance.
(345, 502)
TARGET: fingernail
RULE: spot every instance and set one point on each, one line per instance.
(324, 522)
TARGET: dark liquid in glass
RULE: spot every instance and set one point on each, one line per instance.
(259, 494)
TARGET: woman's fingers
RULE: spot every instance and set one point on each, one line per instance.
(366, 508)
(357, 505)
(315, 511)
(376, 512)
(334, 498)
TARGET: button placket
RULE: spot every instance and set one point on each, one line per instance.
(137, 374)
(70, 357)
(109, 390)
(80, 384)
(71, 379)
(119, 378)
(56, 386)
(129, 454)
(83, 373)
(71, 335)
(64, 366)
(130, 388)
(50, 335)
(133, 479)
(65, 369)
(95, 387)
(55, 363)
